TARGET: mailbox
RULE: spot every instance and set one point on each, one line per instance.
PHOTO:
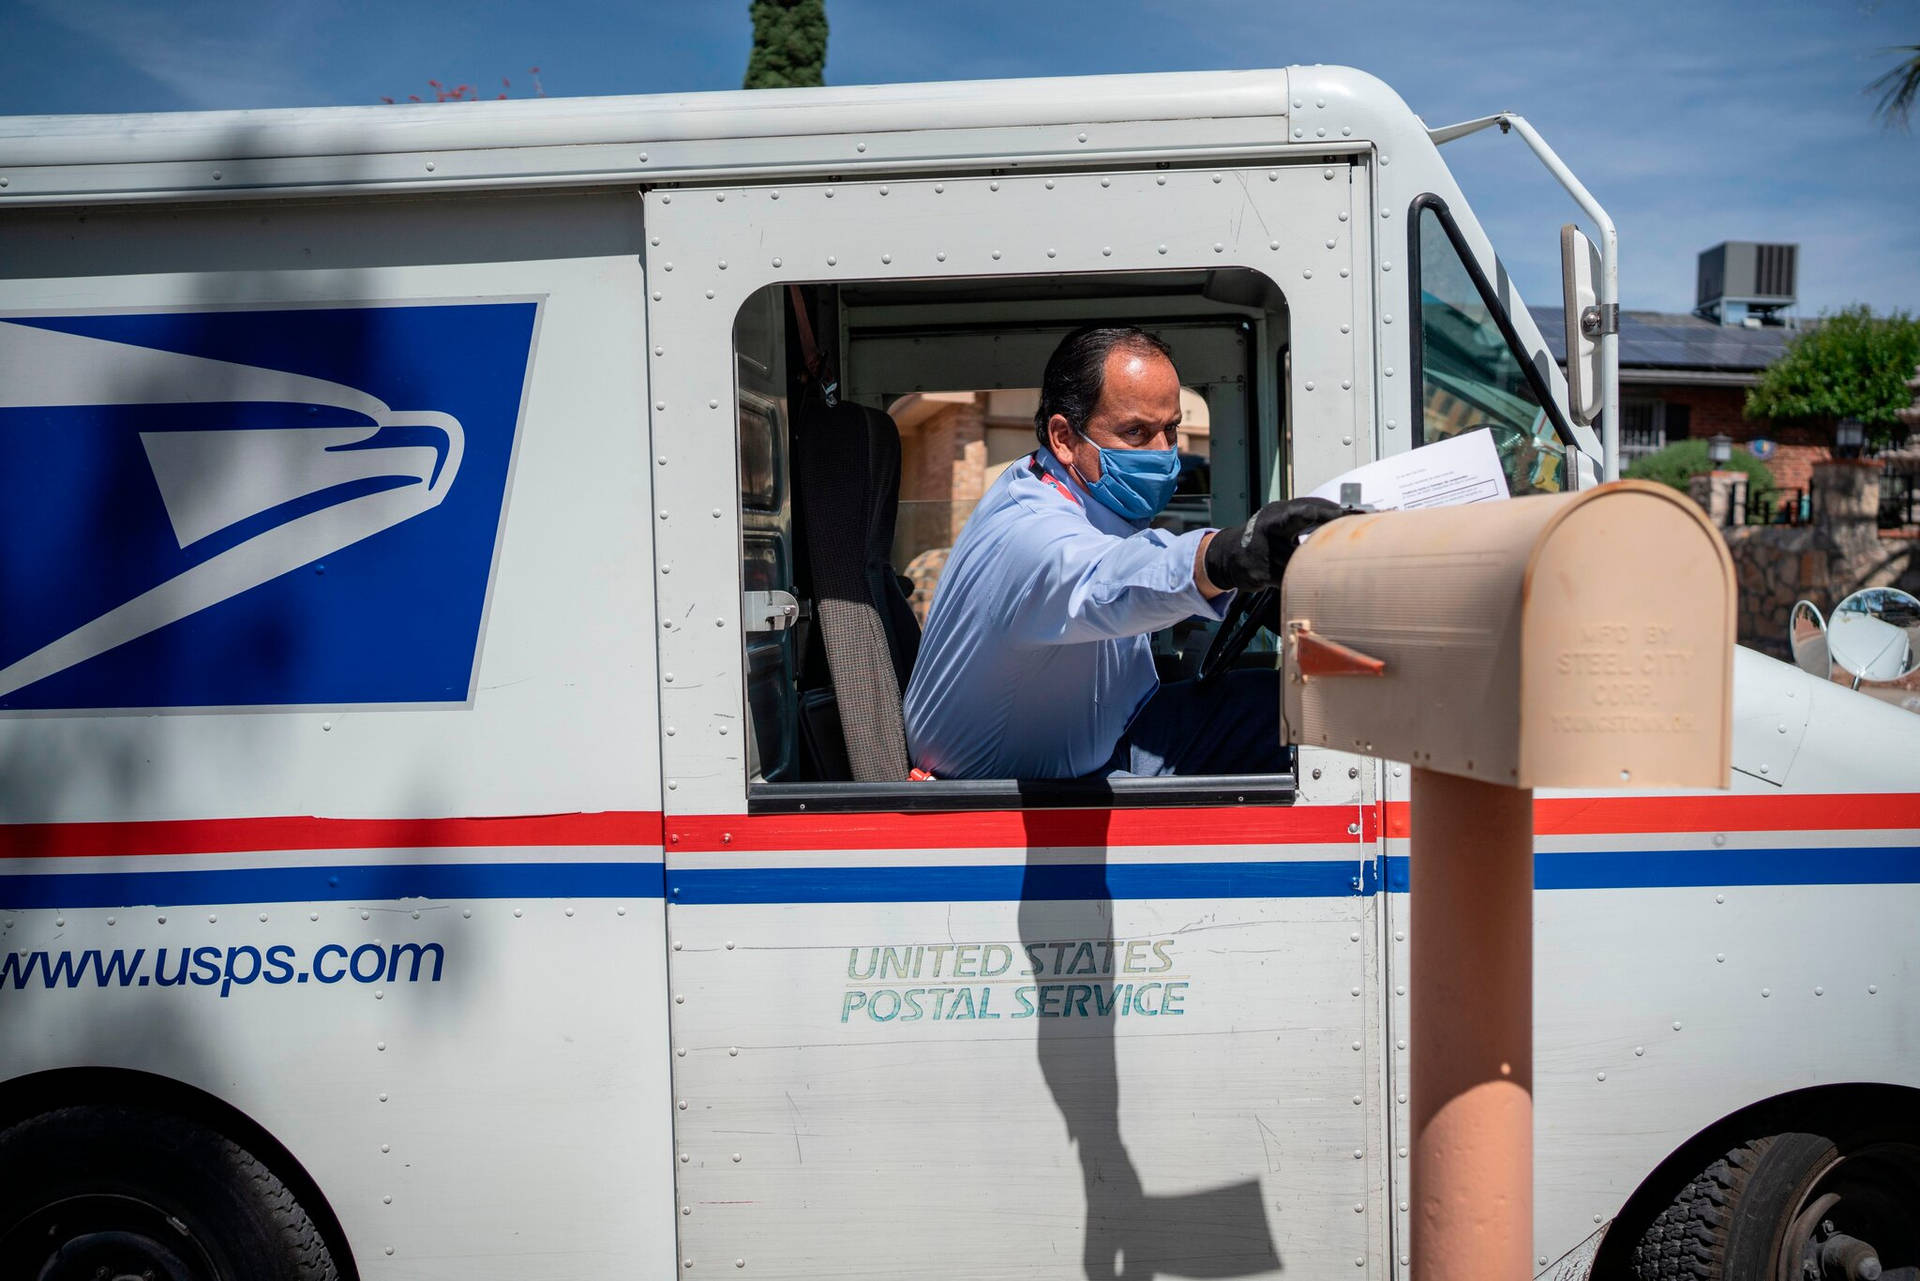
(1563, 640)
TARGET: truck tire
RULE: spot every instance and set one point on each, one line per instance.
(1771, 1206)
(117, 1191)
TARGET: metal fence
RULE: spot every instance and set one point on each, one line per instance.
(1779, 507)
(1899, 499)
(1899, 502)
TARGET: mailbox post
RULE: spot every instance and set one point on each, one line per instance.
(1568, 640)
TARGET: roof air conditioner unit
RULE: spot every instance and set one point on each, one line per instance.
(1739, 280)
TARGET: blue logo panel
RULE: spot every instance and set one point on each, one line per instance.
(252, 508)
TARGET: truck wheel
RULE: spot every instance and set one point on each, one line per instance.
(1791, 1207)
(90, 1192)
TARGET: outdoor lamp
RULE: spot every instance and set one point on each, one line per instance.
(1719, 450)
(1849, 436)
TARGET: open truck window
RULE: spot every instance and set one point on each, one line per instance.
(1472, 373)
(766, 531)
(944, 373)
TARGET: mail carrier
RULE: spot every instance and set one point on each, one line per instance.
(450, 828)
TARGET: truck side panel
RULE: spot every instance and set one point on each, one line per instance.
(413, 929)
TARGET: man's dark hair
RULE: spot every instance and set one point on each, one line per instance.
(1077, 371)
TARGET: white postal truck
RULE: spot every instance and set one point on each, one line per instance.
(445, 648)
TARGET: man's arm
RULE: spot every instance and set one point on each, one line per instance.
(1253, 555)
(1078, 584)
(1087, 585)
(1200, 579)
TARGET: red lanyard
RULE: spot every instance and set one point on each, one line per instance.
(1033, 464)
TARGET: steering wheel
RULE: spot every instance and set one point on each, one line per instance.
(1244, 618)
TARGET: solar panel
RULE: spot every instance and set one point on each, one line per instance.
(1666, 340)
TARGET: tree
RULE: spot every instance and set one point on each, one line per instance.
(1853, 365)
(1900, 88)
(789, 44)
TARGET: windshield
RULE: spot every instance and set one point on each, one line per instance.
(1470, 376)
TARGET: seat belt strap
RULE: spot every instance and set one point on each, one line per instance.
(810, 347)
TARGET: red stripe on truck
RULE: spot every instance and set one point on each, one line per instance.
(975, 829)
(1025, 829)
(981, 829)
(246, 835)
(1627, 815)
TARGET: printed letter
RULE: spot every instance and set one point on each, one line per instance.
(160, 971)
(320, 975)
(279, 964)
(373, 952)
(206, 966)
(233, 976)
(966, 961)
(418, 952)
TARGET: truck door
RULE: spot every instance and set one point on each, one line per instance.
(999, 1029)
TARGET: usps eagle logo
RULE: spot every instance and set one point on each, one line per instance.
(229, 509)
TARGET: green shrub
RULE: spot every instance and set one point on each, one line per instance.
(1685, 458)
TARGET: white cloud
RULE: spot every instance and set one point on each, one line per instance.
(208, 54)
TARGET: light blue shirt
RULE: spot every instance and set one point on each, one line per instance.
(1036, 654)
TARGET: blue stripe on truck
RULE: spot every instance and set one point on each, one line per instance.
(1015, 882)
(1682, 869)
(369, 883)
(968, 883)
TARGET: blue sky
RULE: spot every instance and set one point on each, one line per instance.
(1693, 121)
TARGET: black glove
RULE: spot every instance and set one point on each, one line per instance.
(1254, 555)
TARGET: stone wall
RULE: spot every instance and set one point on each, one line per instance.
(1840, 553)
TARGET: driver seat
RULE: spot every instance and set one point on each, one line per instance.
(846, 460)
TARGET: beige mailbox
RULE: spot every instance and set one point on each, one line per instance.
(1567, 640)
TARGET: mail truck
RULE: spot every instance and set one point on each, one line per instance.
(453, 815)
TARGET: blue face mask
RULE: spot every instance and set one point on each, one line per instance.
(1136, 483)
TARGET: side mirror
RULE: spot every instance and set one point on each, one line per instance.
(1807, 638)
(1875, 634)
(1580, 306)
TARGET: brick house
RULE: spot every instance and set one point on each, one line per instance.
(1683, 375)
(1688, 375)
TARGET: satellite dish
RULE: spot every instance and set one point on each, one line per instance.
(1807, 637)
(1875, 634)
